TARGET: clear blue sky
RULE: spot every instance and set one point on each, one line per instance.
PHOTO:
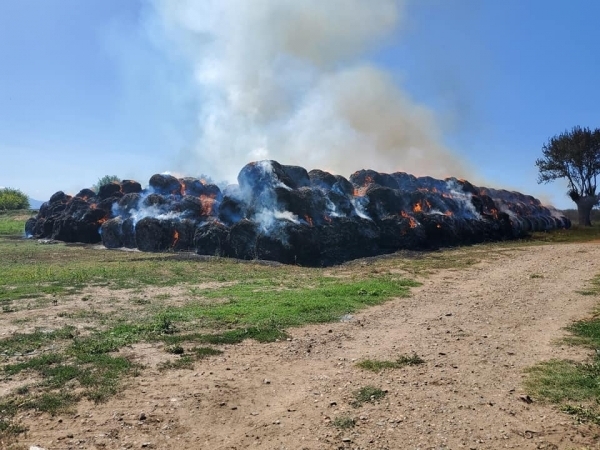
(85, 89)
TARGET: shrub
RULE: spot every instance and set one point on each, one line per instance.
(106, 179)
(11, 199)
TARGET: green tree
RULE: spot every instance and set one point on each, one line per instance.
(575, 156)
(11, 199)
(106, 179)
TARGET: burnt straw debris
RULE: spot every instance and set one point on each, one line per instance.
(286, 214)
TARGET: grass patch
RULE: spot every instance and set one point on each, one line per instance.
(367, 394)
(584, 414)
(377, 366)
(574, 386)
(185, 362)
(175, 350)
(22, 343)
(559, 380)
(593, 288)
(52, 403)
(260, 304)
(344, 422)
(574, 234)
(12, 223)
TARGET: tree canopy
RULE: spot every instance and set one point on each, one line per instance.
(574, 155)
(11, 199)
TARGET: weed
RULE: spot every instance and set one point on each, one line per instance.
(163, 325)
(28, 342)
(52, 403)
(10, 429)
(367, 394)
(583, 414)
(379, 365)
(185, 362)
(175, 350)
(22, 390)
(344, 422)
(563, 382)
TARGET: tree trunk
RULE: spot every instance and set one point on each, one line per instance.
(584, 209)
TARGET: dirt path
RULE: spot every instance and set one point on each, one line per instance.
(477, 329)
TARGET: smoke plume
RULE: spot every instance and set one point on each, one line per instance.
(291, 80)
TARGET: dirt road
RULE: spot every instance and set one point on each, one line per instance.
(476, 328)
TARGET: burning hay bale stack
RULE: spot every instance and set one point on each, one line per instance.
(284, 213)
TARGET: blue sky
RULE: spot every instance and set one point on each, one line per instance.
(86, 88)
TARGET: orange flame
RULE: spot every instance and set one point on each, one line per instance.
(175, 237)
(208, 203)
(422, 206)
(101, 221)
(361, 191)
(308, 219)
(411, 220)
(327, 218)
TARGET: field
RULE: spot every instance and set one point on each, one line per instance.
(481, 347)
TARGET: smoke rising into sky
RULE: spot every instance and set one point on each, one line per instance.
(289, 80)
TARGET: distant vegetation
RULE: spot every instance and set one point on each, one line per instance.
(572, 215)
(12, 199)
(575, 156)
(106, 179)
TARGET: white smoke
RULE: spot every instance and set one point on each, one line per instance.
(289, 80)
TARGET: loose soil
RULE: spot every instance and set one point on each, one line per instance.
(477, 329)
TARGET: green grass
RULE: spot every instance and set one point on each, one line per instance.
(559, 380)
(22, 343)
(344, 422)
(592, 289)
(185, 362)
(229, 301)
(259, 304)
(377, 366)
(572, 235)
(574, 386)
(205, 352)
(583, 414)
(12, 223)
(367, 394)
